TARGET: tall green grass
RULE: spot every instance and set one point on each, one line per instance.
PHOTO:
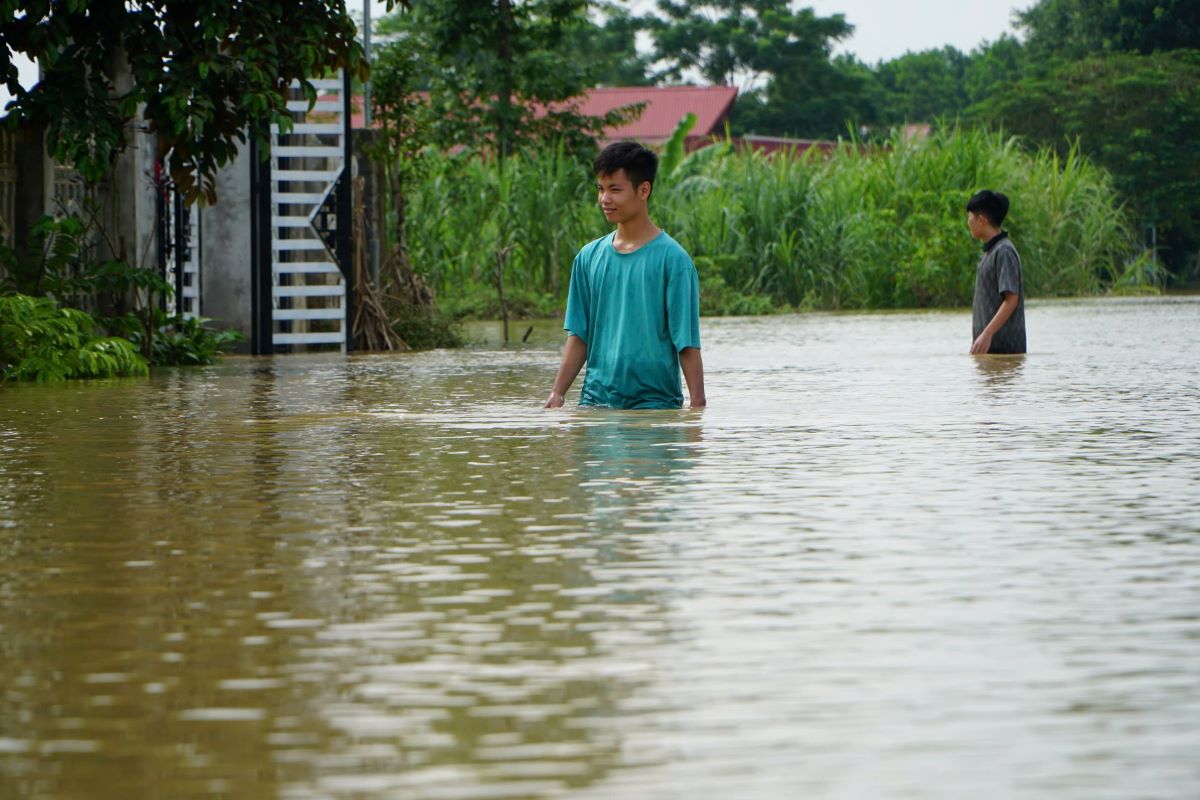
(863, 227)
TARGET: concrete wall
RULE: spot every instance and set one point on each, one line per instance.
(225, 250)
(130, 197)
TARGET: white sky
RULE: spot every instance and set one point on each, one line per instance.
(883, 29)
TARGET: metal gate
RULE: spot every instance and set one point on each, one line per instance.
(302, 226)
(179, 237)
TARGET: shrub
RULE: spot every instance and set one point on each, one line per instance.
(181, 341)
(41, 342)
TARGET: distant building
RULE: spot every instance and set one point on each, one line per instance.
(664, 107)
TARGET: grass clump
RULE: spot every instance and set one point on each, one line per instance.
(867, 226)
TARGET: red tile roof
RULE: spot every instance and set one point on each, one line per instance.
(665, 106)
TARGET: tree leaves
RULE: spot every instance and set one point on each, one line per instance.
(201, 71)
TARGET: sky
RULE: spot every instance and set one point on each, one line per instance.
(883, 29)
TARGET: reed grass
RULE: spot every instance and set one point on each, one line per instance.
(863, 227)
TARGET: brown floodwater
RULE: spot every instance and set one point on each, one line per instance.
(874, 567)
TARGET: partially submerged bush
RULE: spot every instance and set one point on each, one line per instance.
(427, 328)
(41, 342)
(184, 341)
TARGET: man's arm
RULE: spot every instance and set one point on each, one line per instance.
(693, 372)
(574, 357)
(984, 341)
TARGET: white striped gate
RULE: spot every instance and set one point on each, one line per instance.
(309, 224)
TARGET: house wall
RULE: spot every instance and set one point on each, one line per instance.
(225, 250)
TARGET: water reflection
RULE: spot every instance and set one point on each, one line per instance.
(999, 371)
(634, 465)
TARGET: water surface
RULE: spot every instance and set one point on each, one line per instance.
(874, 567)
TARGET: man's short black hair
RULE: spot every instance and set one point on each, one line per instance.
(639, 163)
(992, 205)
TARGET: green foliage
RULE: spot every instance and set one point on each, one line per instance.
(868, 227)
(59, 261)
(467, 210)
(51, 256)
(735, 42)
(202, 72)
(480, 302)
(921, 87)
(672, 152)
(41, 342)
(991, 67)
(179, 340)
(1118, 77)
(1136, 115)
(58, 266)
(502, 74)
(608, 48)
(731, 41)
(718, 300)
(428, 329)
(1063, 30)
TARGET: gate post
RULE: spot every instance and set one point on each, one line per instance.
(260, 236)
(345, 218)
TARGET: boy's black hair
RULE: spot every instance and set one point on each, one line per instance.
(640, 164)
(992, 205)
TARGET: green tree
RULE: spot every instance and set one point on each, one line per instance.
(741, 42)
(502, 73)
(992, 66)
(777, 55)
(921, 87)
(1135, 114)
(1058, 30)
(818, 103)
(202, 73)
(609, 48)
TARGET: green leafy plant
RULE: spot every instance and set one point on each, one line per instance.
(41, 342)
(202, 74)
(428, 329)
(179, 340)
(52, 253)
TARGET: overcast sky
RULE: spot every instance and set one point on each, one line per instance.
(883, 29)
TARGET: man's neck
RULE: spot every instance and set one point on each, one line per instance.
(990, 241)
(633, 234)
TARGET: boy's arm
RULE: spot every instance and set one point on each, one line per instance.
(693, 372)
(984, 341)
(574, 357)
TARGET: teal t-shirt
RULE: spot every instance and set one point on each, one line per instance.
(635, 312)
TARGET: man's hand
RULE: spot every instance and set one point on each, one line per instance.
(693, 372)
(980, 346)
(574, 357)
(983, 343)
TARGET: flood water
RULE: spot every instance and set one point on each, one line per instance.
(874, 567)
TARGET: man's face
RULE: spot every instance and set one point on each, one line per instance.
(619, 199)
(976, 223)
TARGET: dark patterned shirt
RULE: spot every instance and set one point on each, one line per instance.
(999, 271)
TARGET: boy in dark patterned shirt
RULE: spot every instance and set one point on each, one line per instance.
(998, 310)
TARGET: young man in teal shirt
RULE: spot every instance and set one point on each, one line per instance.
(633, 308)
